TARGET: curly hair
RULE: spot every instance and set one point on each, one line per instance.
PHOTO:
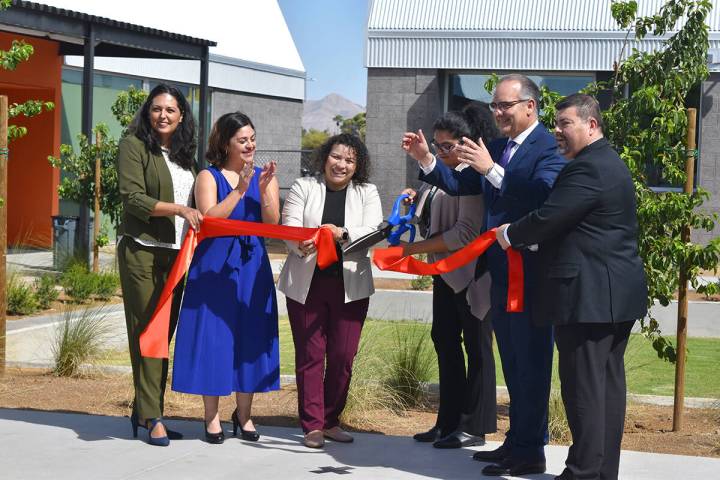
(353, 142)
(182, 142)
(222, 132)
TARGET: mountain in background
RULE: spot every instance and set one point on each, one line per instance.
(319, 114)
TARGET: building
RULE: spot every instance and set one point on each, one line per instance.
(425, 57)
(252, 65)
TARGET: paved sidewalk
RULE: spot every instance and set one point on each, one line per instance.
(48, 445)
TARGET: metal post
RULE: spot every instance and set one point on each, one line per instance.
(96, 223)
(3, 226)
(87, 126)
(682, 318)
(204, 97)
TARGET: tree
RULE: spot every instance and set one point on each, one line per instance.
(312, 139)
(79, 185)
(354, 125)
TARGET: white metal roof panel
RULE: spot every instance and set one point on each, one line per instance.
(507, 15)
(505, 34)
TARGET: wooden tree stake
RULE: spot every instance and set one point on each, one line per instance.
(682, 318)
(96, 222)
(3, 226)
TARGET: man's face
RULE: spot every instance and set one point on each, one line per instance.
(572, 132)
(513, 113)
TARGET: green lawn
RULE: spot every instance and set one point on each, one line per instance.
(646, 374)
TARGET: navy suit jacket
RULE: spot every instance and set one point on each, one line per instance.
(528, 179)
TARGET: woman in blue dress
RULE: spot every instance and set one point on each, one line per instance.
(227, 337)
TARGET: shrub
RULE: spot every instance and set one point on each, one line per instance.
(367, 395)
(557, 419)
(79, 284)
(106, 284)
(411, 366)
(423, 282)
(78, 339)
(21, 299)
(45, 291)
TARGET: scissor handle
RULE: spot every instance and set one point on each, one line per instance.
(395, 218)
(397, 232)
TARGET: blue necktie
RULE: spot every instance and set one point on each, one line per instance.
(505, 157)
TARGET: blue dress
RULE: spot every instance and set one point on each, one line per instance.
(227, 336)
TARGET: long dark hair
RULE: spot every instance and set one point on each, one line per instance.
(182, 142)
(353, 142)
(474, 121)
(224, 129)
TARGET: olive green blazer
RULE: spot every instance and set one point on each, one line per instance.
(143, 181)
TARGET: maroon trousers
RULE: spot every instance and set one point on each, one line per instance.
(324, 329)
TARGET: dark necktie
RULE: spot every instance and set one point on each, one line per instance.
(505, 157)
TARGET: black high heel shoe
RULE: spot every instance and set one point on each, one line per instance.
(135, 422)
(249, 435)
(214, 438)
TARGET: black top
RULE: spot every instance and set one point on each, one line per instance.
(334, 213)
(590, 270)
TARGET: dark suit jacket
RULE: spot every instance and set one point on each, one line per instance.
(589, 267)
(527, 182)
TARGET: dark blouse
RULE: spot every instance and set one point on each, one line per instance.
(334, 213)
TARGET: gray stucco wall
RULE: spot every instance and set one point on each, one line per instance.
(709, 164)
(278, 123)
(398, 100)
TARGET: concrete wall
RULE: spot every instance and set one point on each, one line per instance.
(278, 123)
(709, 164)
(398, 100)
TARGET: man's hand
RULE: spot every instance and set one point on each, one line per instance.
(417, 147)
(500, 235)
(475, 155)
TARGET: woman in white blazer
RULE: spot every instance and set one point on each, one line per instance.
(327, 308)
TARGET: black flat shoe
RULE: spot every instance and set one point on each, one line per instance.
(513, 468)
(460, 440)
(249, 435)
(430, 436)
(497, 455)
(214, 438)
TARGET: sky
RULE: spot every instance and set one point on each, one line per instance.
(330, 36)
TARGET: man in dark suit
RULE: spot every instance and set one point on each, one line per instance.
(515, 174)
(592, 283)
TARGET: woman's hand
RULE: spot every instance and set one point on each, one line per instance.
(244, 178)
(411, 195)
(267, 174)
(336, 231)
(417, 147)
(307, 247)
(476, 155)
(193, 217)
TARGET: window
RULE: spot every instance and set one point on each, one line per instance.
(463, 87)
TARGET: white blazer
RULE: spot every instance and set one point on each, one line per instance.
(304, 208)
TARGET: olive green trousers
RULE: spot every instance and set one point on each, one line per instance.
(143, 273)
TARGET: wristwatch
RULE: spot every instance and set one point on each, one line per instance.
(345, 235)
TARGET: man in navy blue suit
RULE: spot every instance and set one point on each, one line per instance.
(515, 174)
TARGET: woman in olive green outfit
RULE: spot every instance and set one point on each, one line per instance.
(156, 172)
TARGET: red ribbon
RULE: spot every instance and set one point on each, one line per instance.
(154, 339)
(392, 259)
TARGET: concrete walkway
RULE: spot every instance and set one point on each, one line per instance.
(58, 446)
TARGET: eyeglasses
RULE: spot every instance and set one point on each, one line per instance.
(503, 106)
(443, 147)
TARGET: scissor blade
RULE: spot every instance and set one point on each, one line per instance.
(367, 241)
